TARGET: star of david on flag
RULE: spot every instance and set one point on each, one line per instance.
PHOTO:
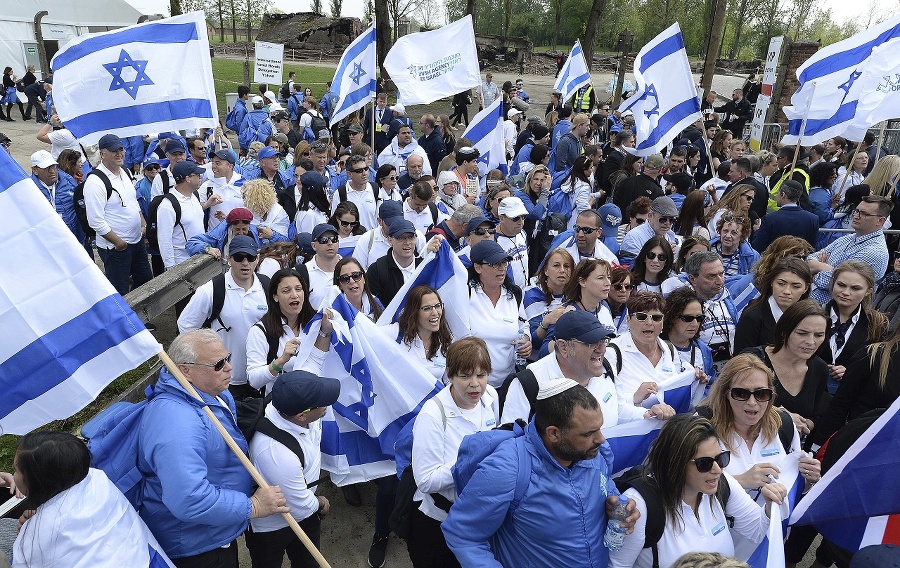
(486, 132)
(574, 73)
(354, 79)
(122, 82)
(660, 114)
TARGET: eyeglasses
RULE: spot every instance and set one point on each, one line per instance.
(594, 346)
(325, 240)
(705, 463)
(242, 256)
(761, 395)
(357, 170)
(515, 219)
(622, 287)
(352, 224)
(356, 276)
(689, 319)
(732, 218)
(585, 230)
(148, 168)
(217, 366)
(482, 231)
(428, 309)
(672, 220)
(639, 220)
(858, 213)
(654, 256)
(501, 264)
(392, 178)
(642, 316)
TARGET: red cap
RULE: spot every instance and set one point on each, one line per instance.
(239, 214)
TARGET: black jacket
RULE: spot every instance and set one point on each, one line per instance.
(789, 220)
(742, 113)
(756, 326)
(633, 187)
(385, 278)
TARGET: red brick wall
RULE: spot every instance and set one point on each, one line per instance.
(795, 54)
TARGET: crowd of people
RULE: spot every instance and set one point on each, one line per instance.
(594, 276)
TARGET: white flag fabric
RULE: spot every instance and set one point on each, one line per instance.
(428, 66)
(770, 552)
(834, 104)
(665, 101)
(485, 130)
(880, 98)
(66, 332)
(151, 77)
(354, 81)
(574, 73)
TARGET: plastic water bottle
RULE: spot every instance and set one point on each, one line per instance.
(520, 341)
(615, 532)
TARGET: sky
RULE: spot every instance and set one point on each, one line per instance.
(841, 10)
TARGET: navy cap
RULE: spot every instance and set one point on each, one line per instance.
(174, 145)
(183, 169)
(400, 226)
(110, 142)
(610, 218)
(488, 251)
(298, 391)
(244, 244)
(313, 179)
(581, 325)
(321, 229)
(266, 152)
(226, 155)
(390, 208)
(304, 243)
(475, 223)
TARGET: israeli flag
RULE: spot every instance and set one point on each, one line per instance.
(855, 505)
(770, 552)
(444, 272)
(381, 390)
(665, 101)
(574, 73)
(831, 92)
(66, 332)
(486, 132)
(152, 77)
(680, 391)
(354, 81)
(880, 98)
(630, 442)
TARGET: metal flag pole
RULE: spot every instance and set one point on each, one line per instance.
(802, 130)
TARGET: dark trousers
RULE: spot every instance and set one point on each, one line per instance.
(384, 503)
(267, 548)
(126, 267)
(36, 104)
(218, 558)
(460, 112)
(426, 544)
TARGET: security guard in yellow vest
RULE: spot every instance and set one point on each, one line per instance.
(585, 99)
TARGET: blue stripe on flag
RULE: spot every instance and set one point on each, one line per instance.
(354, 97)
(484, 128)
(156, 559)
(150, 33)
(660, 51)
(435, 274)
(670, 119)
(846, 112)
(26, 374)
(569, 85)
(629, 451)
(147, 113)
(359, 45)
(846, 59)
(10, 177)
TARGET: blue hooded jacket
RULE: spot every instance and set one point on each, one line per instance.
(255, 127)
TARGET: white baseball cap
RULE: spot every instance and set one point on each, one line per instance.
(512, 207)
(42, 159)
(513, 112)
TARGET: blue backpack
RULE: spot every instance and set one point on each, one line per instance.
(476, 447)
(231, 118)
(562, 203)
(558, 177)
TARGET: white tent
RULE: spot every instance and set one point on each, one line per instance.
(66, 19)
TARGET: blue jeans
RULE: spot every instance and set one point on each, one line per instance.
(127, 265)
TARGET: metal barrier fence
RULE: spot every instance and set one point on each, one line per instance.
(887, 232)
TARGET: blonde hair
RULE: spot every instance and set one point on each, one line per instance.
(579, 119)
(881, 179)
(259, 197)
(708, 560)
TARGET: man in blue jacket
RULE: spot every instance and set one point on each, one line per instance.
(59, 189)
(198, 497)
(790, 219)
(561, 518)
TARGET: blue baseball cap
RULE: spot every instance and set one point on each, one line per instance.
(181, 170)
(583, 326)
(226, 155)
(490, 252)
(174, 145)
(313, 179)
(400, 226)
(610, 218)
(475, 223)
(266, 152)
(321, 229)
(299, 391)
(390, 208)
(110, 142)
(304, 243)
(244, 244)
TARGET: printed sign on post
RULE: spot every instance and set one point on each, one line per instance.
(759, 119)
(269, 63)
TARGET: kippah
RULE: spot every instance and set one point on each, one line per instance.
(554, 387)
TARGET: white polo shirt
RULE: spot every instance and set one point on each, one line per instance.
(172, 238)
(120, 213)
(319, 282)
(232, 196)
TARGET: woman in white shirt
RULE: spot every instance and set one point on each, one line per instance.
(312, 205)
(350, 277)
(579, 185)
(495, 309)
(468, 404)
(289, 312)
(422, 329)
(653, 265)
(685, 469)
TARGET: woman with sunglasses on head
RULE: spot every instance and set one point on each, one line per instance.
(492, 199)
(620, 290)
(273, 342)
(579, 186)
(422, 329)
(543, 302)
(738, 257)
(784, 285)
(691, 245)
(685, 470)
(386, 177)
(312, 207)
(682, 319)
(346, 220)
(692, 215)
(350, 277)
(736, 203)
(800, 375)
(653, 265)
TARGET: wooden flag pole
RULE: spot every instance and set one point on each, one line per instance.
(245, 461)
(847, 172)
(802, 129)
(712, 170)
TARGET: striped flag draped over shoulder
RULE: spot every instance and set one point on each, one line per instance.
(151, 77)
(574, 73)
(354, 80)
(770, 552)
(486, 133)
(66, 332)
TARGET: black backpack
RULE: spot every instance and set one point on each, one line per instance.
(271, 340)
(152, 234)
(78, 199)
(218, 301)
(317, 124)
(285, 90)
(552, 226)
(656, 514)
(530, 386)
(342, 193)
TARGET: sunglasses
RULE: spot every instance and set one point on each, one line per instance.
(732, 218)
(242, 256)
(761, 395)
(482, 231)
(392, 178)
(585, 230)
(594, 346)
(749, 198)
(639, 220)
(642, 316)
(429, 309)
(516, 219)
(357, 170)
(148, 168)
(352, 224)
(325, 240)
(623, 287)
(356, 276)
(689, 319)
(653, 256)
(672, 220)
(217, 366)
(705, 464)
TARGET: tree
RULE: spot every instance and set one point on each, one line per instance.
(470, 10)
(590, 34)
(557, 16)
(400, 10)
(428, 13)
(336, 6)
(175, 8)
(742, 16)
(383, 33)
(368, 14)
